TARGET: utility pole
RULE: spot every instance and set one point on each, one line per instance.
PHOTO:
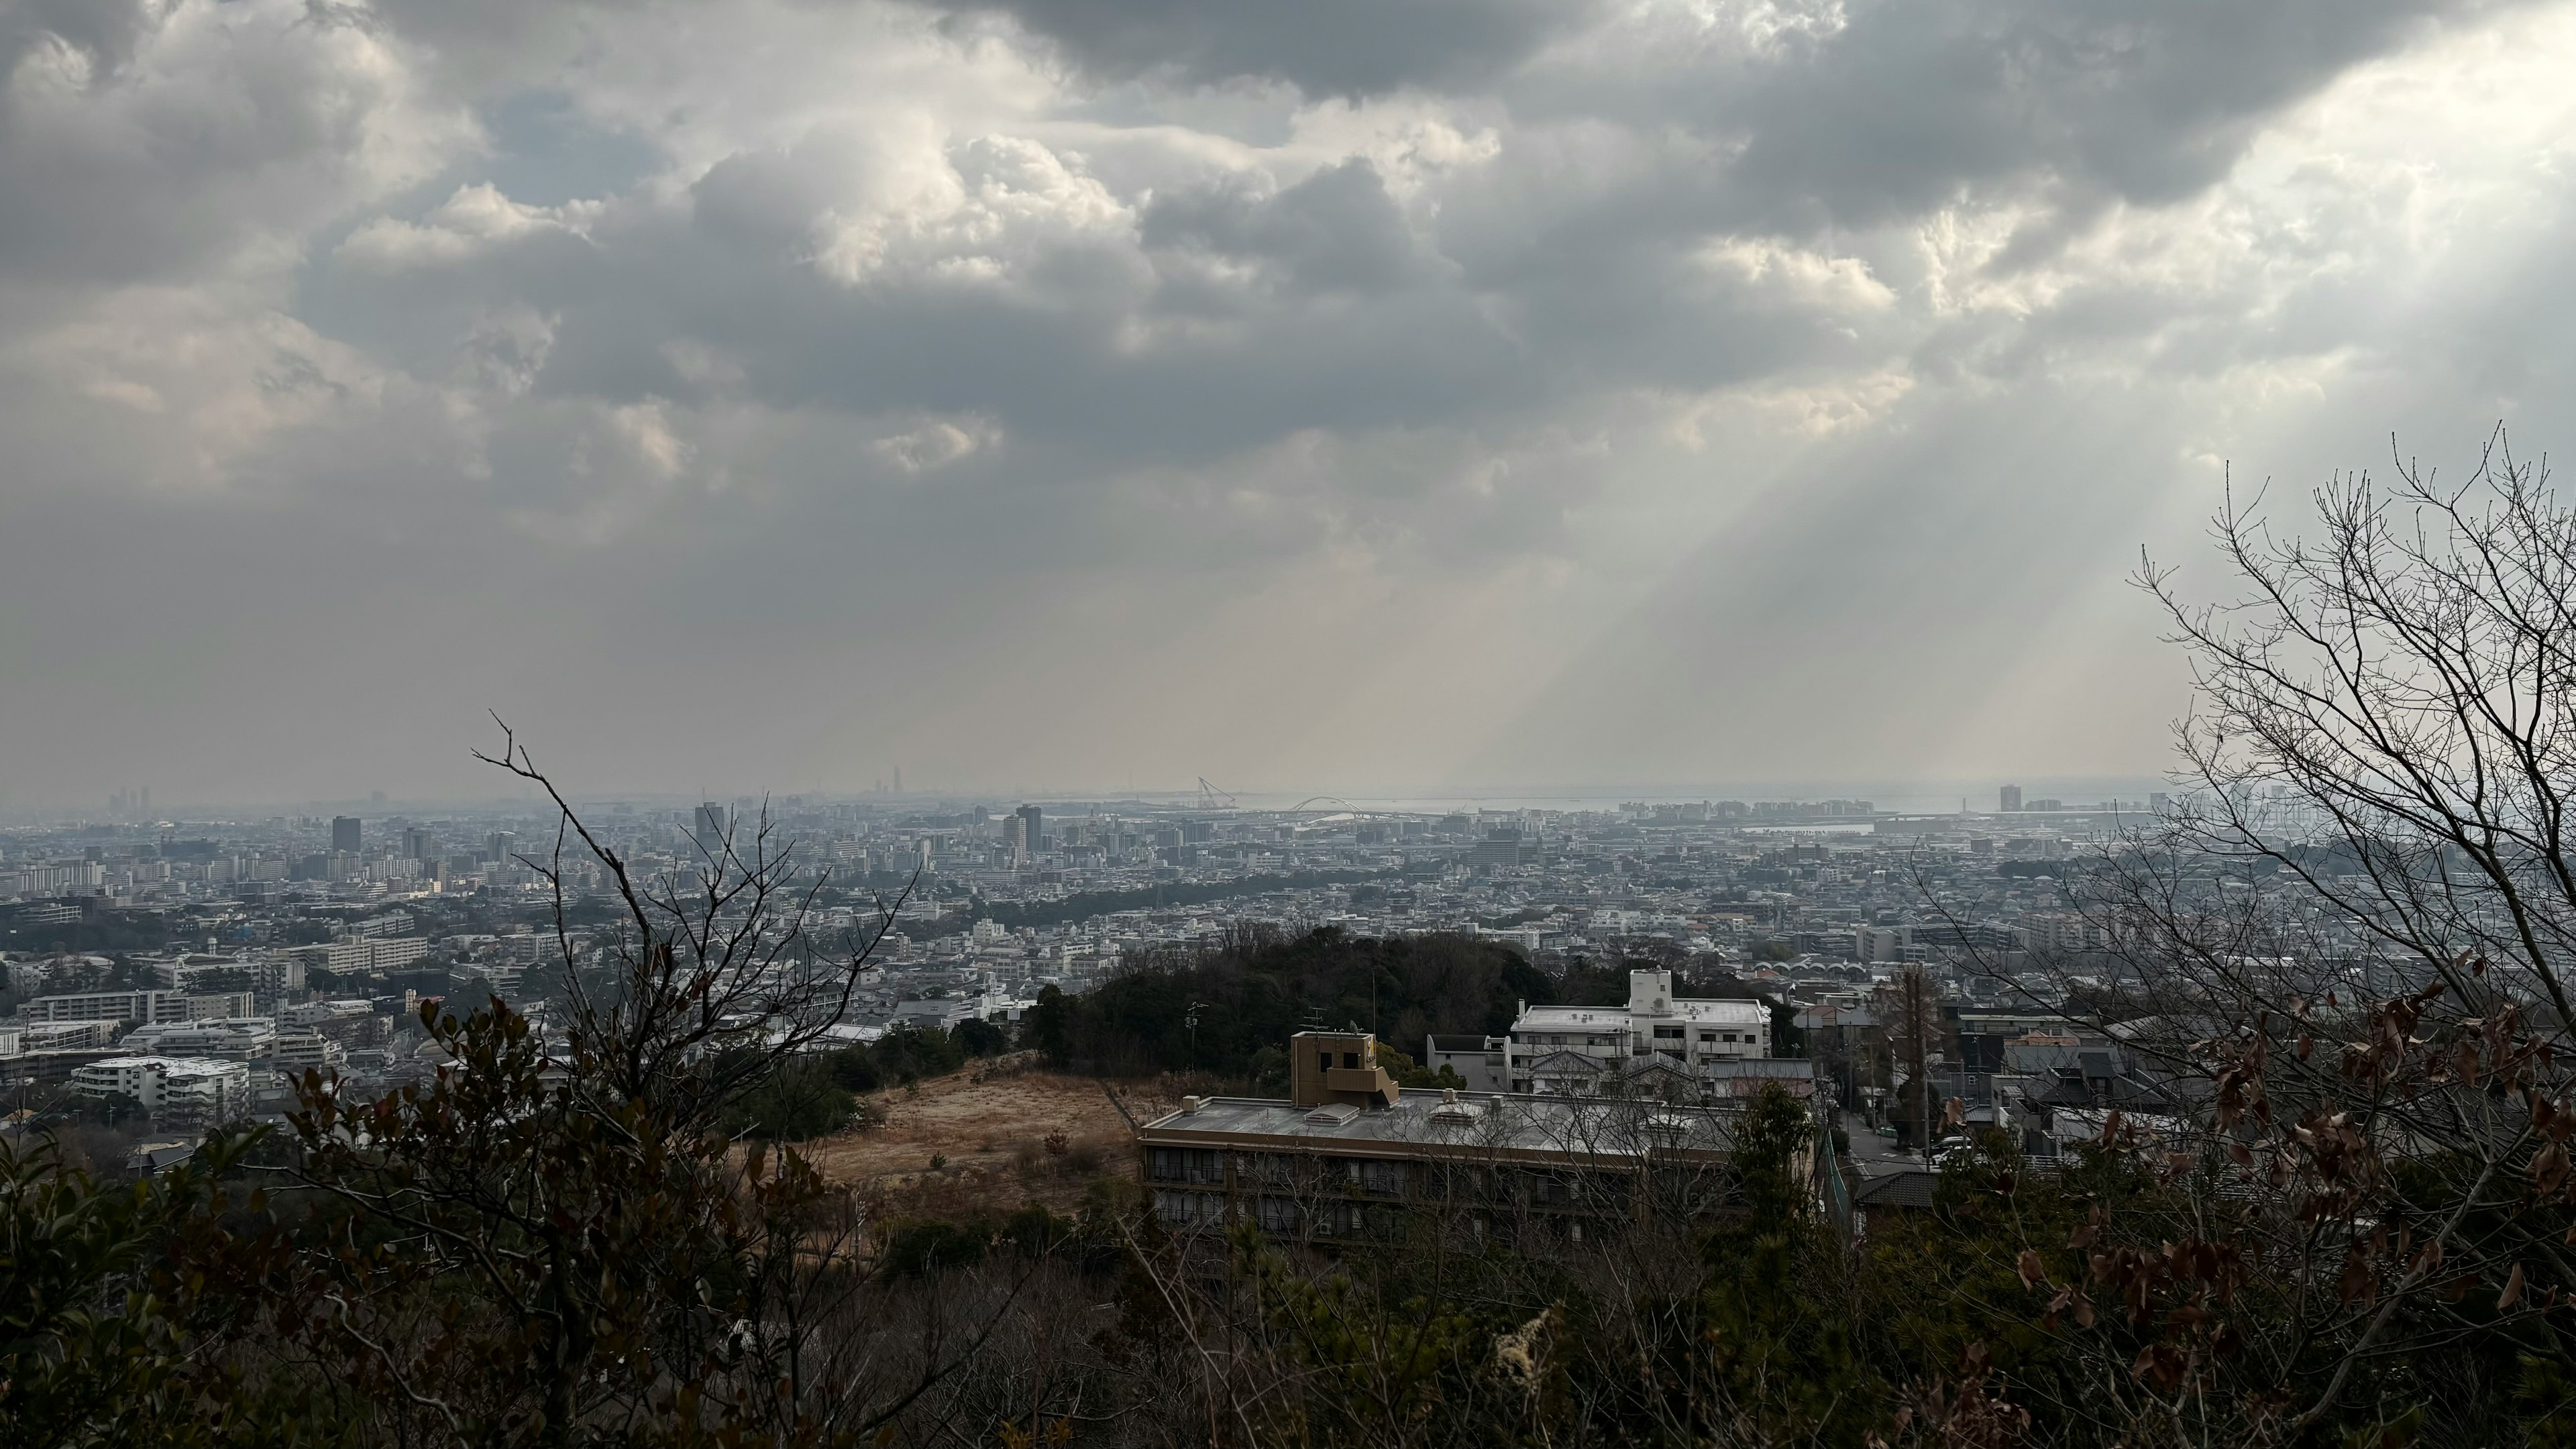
(1918, 1030)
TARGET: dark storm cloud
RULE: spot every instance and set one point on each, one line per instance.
(1324, 47)
(2143, 101)
(1335, 231)
(1839, 115)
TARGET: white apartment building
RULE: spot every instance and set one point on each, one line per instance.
(362, 955)
(52, 880)
(142, 1007)
(267, 973)
(302, 1049)
(325, 1013)
(1574, 1049)
(41, 1036)
(230, 1038)
(218, 1005)
(181, 1086)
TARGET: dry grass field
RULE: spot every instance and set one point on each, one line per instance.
(1002, 1136)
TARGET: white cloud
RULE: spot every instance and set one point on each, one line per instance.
(1799, 277)
(933, 443)
(473, 220)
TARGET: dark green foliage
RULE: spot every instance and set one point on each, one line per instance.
(854, 1069)
(916, 1248)
(910, 1053)
(1406, 1071)
(977, 1038)
(1261, 987)
(799, 1101)
(1048, 1027)
(1777, 1348)
(110, 1300)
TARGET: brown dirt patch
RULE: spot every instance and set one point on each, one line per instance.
(993, 1127)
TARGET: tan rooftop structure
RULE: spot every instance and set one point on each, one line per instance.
(1337, 1066)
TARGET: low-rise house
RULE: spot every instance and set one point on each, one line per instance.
(1481, 1062)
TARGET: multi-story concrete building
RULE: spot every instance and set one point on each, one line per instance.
(302, 1049)
(182, 1087)
(1349, 1150)
(236, 1038)
(220, 1005)
(362, 955)
(1584, 1049)
(39, 1036)
(140, 1007)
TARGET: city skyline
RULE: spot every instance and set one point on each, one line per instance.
(1901, 797)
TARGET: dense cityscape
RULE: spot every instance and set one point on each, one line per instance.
(168, 976)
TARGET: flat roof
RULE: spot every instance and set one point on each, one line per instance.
(1475, 1123)
(1558, 1018)
(1597, 1018)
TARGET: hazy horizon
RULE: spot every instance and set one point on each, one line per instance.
(1915, 797)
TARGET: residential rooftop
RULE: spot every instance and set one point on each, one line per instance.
(1464, 1123)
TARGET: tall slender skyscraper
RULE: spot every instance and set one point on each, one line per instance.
(2011, 799)
(1032, 828)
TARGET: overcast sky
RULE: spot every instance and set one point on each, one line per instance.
(1339, 395)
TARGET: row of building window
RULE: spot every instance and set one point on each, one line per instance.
(1290, 1217)
(1372, 1177)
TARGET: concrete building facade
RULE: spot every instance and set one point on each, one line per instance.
(1580, 1050)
